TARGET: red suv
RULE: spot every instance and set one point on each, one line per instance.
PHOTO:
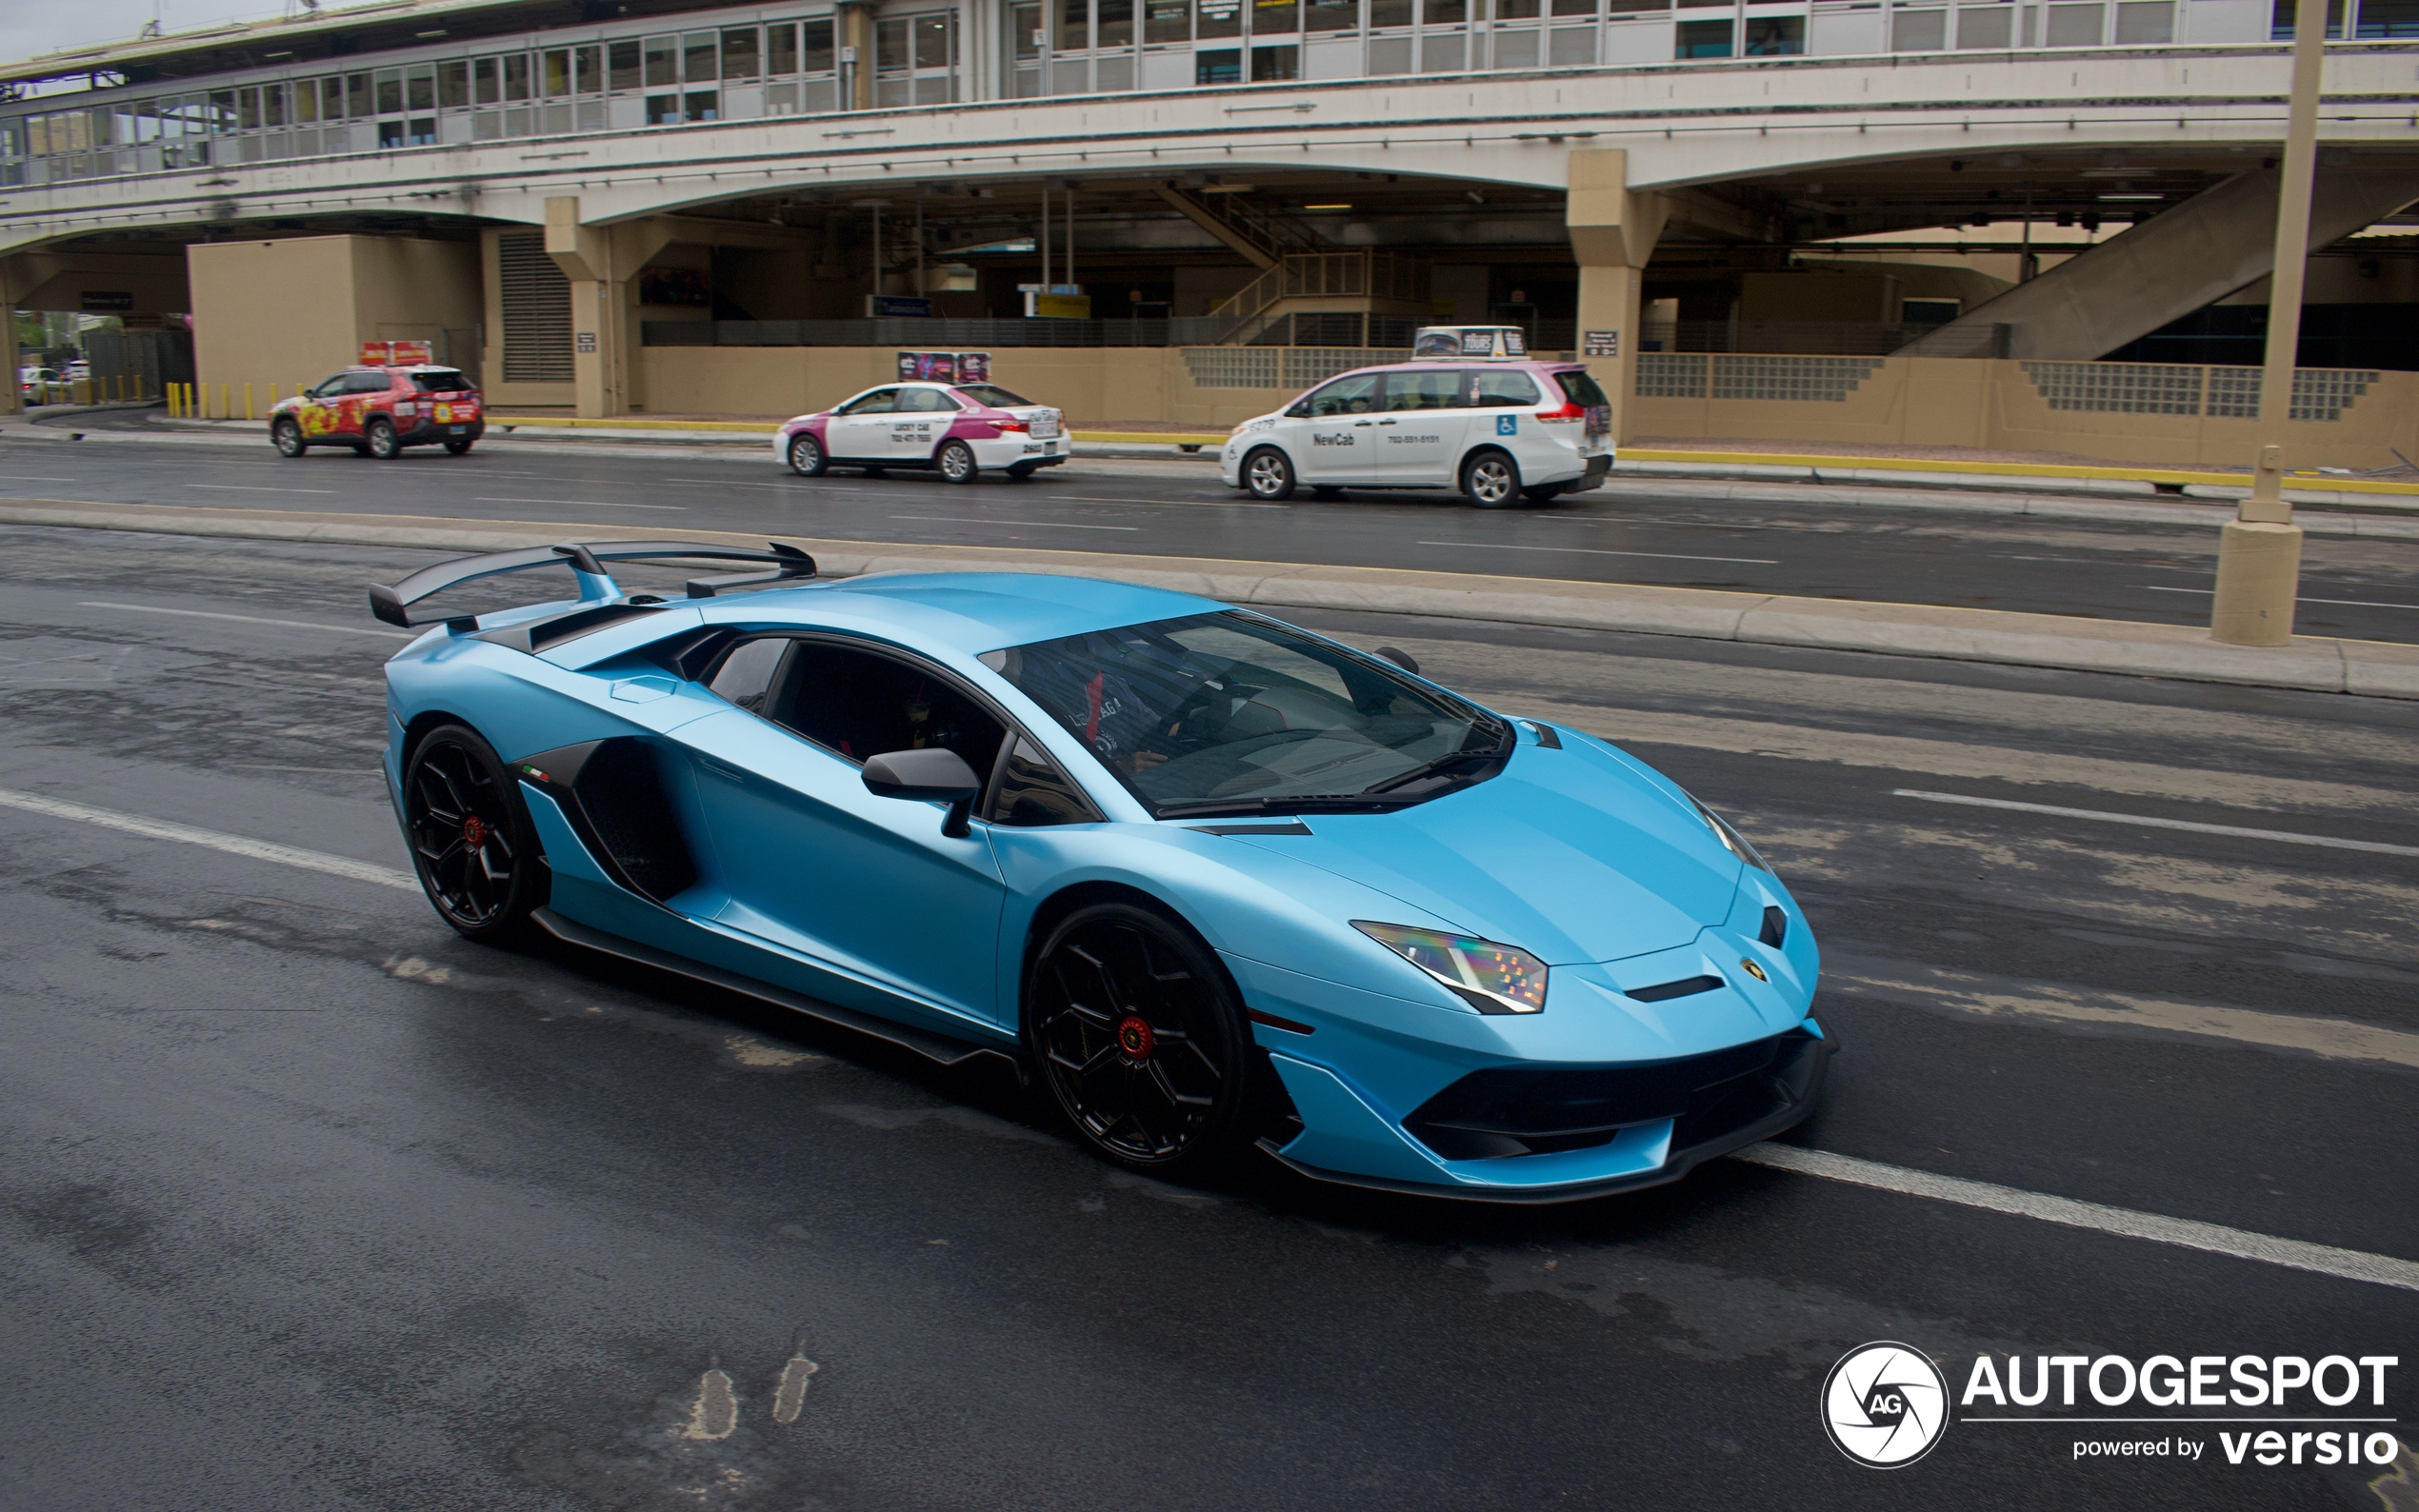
(378, 412)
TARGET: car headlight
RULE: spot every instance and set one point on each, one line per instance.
(1731, 839)
(1490, 977)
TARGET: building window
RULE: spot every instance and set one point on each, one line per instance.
(453, 86)
(1218, 66)
(1775, 36)
(663, 62)
(621, 65)
(1927, 30)
(1172, 20)
(1703, 39)
(1276, 64)
(2146, 23)
(1273, 18)
(2075, 26)
(2382, 20)
(1986, 26)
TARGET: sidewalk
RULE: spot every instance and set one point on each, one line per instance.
(2374, 669)
(1800, 484)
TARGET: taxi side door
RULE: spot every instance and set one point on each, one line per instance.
(1331, 434)
(1420, 428)
(860, 429)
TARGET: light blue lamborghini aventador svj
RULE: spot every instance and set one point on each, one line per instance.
(1213, 879)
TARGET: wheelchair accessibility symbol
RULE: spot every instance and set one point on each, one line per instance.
(1508, 425)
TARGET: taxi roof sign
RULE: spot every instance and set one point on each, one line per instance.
(1460, 342)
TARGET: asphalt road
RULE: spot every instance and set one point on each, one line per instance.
(1629, 532)
(308, 1203)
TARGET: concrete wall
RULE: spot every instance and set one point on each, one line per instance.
(288, 312)
(1907, 401)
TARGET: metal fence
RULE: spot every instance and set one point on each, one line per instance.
(1700, 375)
(1288, 368)
(2186, 389)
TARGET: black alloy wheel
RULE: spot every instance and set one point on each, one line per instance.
(1266, 474)
(1490, 480)
(806, 457)
(957, 462)
(384, 443)
(457, 445)
(286, 437)
(1141, 1039)
(471, 841)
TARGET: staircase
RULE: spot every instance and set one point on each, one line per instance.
(1360, 282)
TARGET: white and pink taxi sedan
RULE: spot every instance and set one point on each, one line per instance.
(959, 430)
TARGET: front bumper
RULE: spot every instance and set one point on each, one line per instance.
(1539, 1135)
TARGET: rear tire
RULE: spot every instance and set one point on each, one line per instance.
(956, 462)
(807, 459)
(472, 843)
(458, 446)
(1543, 493)
(288, 438)
(1141, 1040)
(1325, 491)
(1268, 474)
(382, 442)
(1021, 471)
(1490, 480)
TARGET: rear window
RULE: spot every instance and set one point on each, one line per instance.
(1494, 388)
(1580, 388)
(993, 395)
(440, 382)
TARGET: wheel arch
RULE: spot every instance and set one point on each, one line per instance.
(1077, 896)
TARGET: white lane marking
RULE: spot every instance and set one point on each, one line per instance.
(2356, 604)
(252, 488)
(1188, 504)
(591, 504)
(1589, 550)
(232, 844)
(247, 619)
(1045, 525)
(715, 1413)
(814, 486)
(791, 1395)
(2286, 836)
(2348, 1264)
(2003, 998)
(22, 478)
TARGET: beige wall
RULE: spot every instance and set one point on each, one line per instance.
(1908, 401)
(1952, 402)
(279, 314)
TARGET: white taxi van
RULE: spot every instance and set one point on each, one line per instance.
(1471, 412)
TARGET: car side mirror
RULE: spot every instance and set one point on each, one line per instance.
(1400, 658)
(929, 775)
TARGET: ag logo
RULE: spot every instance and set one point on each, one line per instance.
(1885, 1404)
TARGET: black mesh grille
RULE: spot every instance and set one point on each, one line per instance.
(1511, 1111)
(1776, 928)
(622, 794)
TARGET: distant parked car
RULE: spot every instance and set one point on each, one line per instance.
(35, 384)
(955, 429)
(378, 412)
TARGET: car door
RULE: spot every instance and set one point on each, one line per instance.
(918, 420)
(1503, 409)
(1420, 427)
(860, 429)
(812, 862)
(1331, 434)
(361, 400)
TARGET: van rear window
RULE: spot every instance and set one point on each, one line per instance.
(440, 382)
(1580, 388)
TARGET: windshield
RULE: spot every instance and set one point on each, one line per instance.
(1235, 713)
(430, 382)
(993, 395)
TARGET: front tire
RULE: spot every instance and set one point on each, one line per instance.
(1269, 475)
(807, 459)
(1141, 1038)
(471, 842)
(288, 438)
(956, 462)
(1490, 480)
(383, 442)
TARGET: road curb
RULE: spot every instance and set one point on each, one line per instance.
(2368, 668)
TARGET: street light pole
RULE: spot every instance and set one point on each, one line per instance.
(2259, 553)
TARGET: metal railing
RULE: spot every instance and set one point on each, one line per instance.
(939, 335)
(1360, 272)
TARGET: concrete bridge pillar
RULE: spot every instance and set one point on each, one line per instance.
(13, 401)
(602, 264)
(1613, 230)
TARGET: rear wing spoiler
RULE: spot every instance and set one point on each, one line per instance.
(392, 603)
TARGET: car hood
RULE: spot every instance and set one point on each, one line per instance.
(1571, 855)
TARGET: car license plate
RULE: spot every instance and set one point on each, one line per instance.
(459, 430)
(1045, 427)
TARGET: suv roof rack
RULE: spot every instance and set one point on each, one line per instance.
(587, 558)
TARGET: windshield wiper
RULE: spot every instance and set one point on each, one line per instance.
(1311, 804)
(1430, 768)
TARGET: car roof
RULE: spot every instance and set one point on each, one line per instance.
(968, 612)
